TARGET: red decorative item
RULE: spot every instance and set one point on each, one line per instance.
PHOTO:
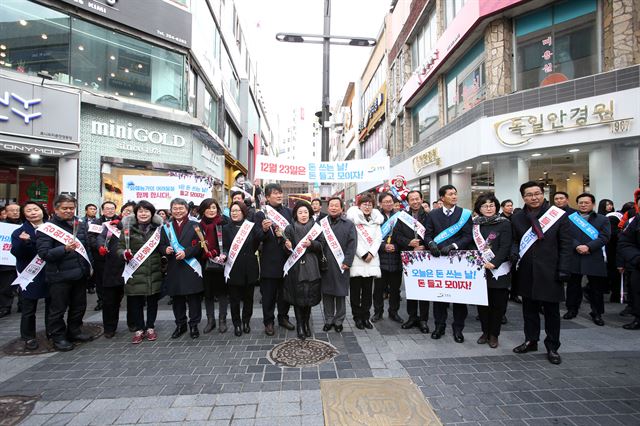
(128, 255)
(194, 243)
(103, 250)
(115, 222)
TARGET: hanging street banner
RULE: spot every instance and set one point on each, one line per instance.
(368, 170)
(160, 190)
(456, 278)
(6, 258)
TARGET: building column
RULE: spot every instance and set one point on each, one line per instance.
(498, 42)
(68, 176)
(462, 182)
(613, 173)
(509, 173)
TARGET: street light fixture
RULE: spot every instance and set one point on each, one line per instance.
(326, 39)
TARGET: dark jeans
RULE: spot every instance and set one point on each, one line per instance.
(135, 309)
(179, 306)
(360, 289)
(271, 290)
(6, 290)
(460, 312)
(491, 316)
(111, 300)
(71, 295)
(242, 294)
(28, 319)
(412, 310)
(393, 280)
(531, 315)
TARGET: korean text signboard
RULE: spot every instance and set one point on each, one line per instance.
(456, 278)
(6, 258)
(160, 190)
(369, 170)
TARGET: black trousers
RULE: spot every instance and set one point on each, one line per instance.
(634, 291)
(179, 305)
(574, 292)
(531, 315)
(412, 309)
(242, 294)
(271, 290)
(6, 290)
(303, 314)
(393, 280)
(491, 316)
(28, 319)
(71, 295)
(460, 312)
(98, 272)
(360, 296)
(111, 299)
(135, 310)
(596, 288)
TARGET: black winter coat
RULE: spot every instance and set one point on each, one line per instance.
(335, 282)
(273, 256)
(62, 265)
(24, 252)
(403, 234)
(538, 271)
(245, 271)
(92, 238)
(501, 247)
(389, 262)
(437, 222)
(302, 290)
(113, 264)
(181, 279)
(629, 245)
(592, 263)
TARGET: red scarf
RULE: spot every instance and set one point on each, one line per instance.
(210, 233)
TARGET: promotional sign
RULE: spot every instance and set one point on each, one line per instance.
(160, 190)
(6, 258)
(456, 278)
(369, 170)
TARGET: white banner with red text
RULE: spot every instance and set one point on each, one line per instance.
(6, 258)
(369, 170)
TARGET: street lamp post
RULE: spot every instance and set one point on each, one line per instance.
(326, 39)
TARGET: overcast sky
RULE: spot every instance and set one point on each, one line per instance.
(290, 74)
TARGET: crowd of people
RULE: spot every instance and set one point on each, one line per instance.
(301, 257)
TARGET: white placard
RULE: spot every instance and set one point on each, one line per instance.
(160, 190)
(6, 258)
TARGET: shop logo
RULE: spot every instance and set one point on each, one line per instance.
(131, 133)
(27, 115)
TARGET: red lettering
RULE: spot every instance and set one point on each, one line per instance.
(421, 283)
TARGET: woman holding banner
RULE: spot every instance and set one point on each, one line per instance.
(29, 267)
(140, 248)
(492, 236)
(240, 241)
(302, 272)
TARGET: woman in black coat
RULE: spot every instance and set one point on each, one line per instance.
(496, 248)
(245, 272)
(23, 248)
(302, 282)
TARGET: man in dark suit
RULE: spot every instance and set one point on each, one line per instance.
(439, 220)
(316, 205)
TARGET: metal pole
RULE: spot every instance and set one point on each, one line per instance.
(325, 80)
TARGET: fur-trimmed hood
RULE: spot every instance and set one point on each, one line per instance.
(356, 215)
(131, 220)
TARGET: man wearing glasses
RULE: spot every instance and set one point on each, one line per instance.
(541, 256)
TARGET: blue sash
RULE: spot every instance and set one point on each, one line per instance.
(584, 225)
(389, 224)
(453, 229)
(395, 193)
(173, 240)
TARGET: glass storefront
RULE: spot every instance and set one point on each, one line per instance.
(34, 38)
(425, 116)
(24, 178)
(466, 82)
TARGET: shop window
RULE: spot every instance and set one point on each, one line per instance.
(425, 116)
(231, 138)
(211, 111)
(466, 83)
(230, 77)
(425, 41)
(425, 188)
(556, 44)
(452, 8)
(374, 143)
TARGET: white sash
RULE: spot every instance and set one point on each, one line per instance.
(488, 255)
(617, 215)
(413, 223)
(362, 230)
(94, 228)
(548, 219)
(62, 236)
(332, 242)
(298, 250)
(236, 245)
(141, 255)
(114, 231)
(29, 273)
(173, 240)
(276, 217)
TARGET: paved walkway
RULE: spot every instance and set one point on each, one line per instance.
(222, 379)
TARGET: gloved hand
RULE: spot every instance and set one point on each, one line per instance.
(563, 276)
(115, 222)
(102, 250)
(128, 255)
(433, 248)
(446, 249)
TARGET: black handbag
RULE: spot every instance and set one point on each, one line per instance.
(213, 264)
(323, 263)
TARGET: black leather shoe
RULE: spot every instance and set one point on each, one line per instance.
(194, 332)
(367, 324)
(482, 340)
(327, 327)
(570, 315)
(516, 299)
(109, 334)
(306, 328)
(526, 347)
(504, 320)
(597, 319)
(395, 317)
(359, 324)
(410, 323)
(458, 337)
(300, 330)
(633, 325)
(268, 330)
(627, 311)
(237, 330)
(438, 332)
(424, 327)
(179, 331)
(98, 306)
(31, 345)
(81, 337)
(376, 317)
(339, 328)
(62, 345)
(246, 328)
(284, 322)
(554, 357)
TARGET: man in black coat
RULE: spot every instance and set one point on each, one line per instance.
(439, 220)
(408, 239)
(588, 258)
(67, 272)
(108, 213)
(542, 268)
(272, 260)
(561, 200)
(316, 206)
(628, 254)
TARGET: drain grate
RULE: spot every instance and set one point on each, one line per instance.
(302, 353)
(14, 408)
(16, 346)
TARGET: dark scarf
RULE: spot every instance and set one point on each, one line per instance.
(488, 220)
(210, 232)
(533, 219)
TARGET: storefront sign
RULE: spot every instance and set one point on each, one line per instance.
(457, 278)
(369, 170)
(520, 130)
(6, 258)
(427, 158)
(160, 190)
(373, 114)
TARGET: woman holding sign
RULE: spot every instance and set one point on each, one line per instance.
(240, 241)
(492, 236)
(302, 273)
(23, 247)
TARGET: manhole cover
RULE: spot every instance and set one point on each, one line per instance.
(16, 346)
(302, 353)
(13, 409)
